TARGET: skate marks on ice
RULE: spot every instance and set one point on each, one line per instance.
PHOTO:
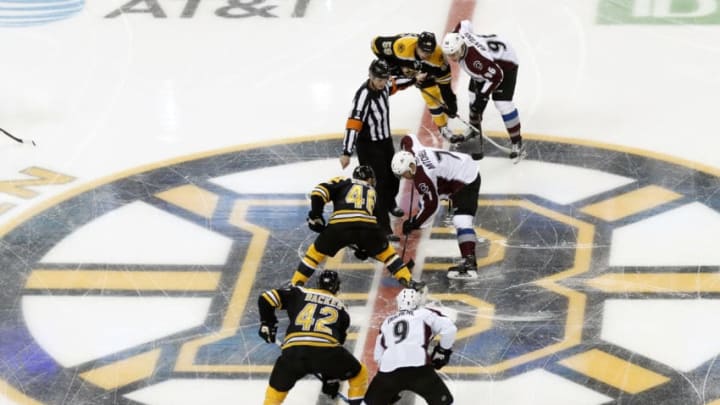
(575, 239)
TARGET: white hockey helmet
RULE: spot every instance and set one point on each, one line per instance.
(407, 300)
(451, 43)
(401, 162)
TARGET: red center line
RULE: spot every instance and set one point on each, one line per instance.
(388, 289)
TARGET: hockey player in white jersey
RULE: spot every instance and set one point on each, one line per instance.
(439, 174)
(492, 65)
(402, 357)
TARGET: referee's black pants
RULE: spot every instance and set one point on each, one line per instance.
(378, 155)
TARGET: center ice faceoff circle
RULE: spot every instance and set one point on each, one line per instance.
(159, 271)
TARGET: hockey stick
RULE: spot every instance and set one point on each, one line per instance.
(343, 397)
(447, 221)
(16, 139)
(495, 144)
(410, 263)
(407, 235)
(469, 125)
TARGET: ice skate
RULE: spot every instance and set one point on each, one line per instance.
(517, 152)
(465, 270)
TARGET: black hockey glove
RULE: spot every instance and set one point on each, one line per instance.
(409, 225)
(315, 222)
(268, 332)
(440, 357)
(451, 107)
(415, 285)
(450, 99)
(331, 388)
(457, 138)
(361, 254)
(451, 110)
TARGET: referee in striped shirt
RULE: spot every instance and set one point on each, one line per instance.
(368, 131)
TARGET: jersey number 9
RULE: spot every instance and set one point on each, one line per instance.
(400, 330)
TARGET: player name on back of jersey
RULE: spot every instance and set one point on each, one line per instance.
(425, 159)
(323, 300)
(403, 312)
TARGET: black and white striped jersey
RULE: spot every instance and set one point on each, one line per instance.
(370, 114)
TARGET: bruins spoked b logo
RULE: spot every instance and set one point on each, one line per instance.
(600, 279)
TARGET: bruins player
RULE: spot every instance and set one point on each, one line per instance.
(313, 344)
(419, 56)
(351, 223)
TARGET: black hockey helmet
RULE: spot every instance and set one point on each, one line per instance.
(365, 173)
(329, 280)
(380, 69)
(427, 42)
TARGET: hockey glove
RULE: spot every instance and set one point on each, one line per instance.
(450, 111)
(457, 139)
(361, 254)
(451, 108)
(415, 285)
(331, 388)
(268, 332)
(315, 222)
(440, 357)
(409, 225)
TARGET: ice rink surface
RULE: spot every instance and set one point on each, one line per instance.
(177, 141)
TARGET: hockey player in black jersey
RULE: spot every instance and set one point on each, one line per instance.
(418, 56)
(313, 343)
(351, 223)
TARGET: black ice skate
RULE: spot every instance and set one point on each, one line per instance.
(517, 152)
(465, 270)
